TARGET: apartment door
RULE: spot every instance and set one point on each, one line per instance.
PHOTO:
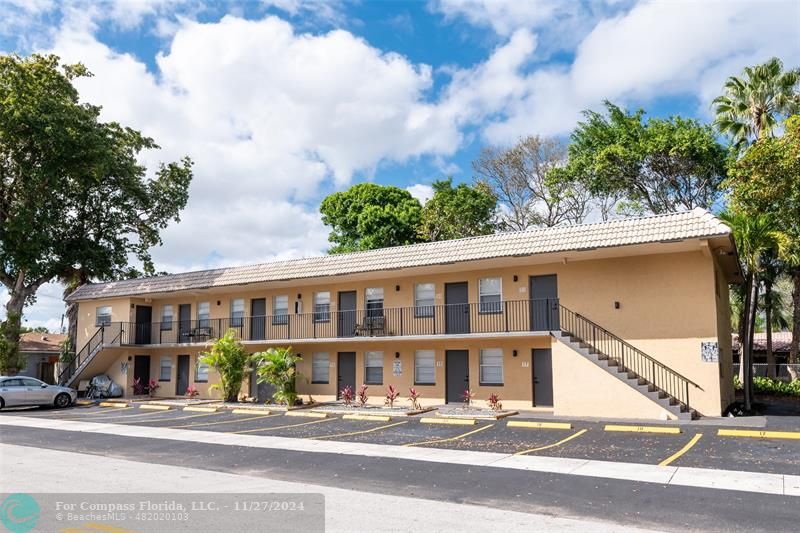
(258, 312)
(141, 369)
(544, 303)
(184, 322)
(182, 381)
(542, 370)
(456, 299)
(456, 375)
(346, 325)
(346, 372)
(144, 324)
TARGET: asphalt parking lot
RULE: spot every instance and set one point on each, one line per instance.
(697, 446)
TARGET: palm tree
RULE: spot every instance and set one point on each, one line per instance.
(772, 303)
(753, 104)
(755, 236)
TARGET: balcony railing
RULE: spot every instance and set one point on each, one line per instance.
(451, 319)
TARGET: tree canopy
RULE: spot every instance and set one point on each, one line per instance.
(368, 216)
(456, 212)
(74, 200)
(753, 105)
(656, 165)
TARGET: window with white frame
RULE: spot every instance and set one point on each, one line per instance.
(374, 299)
(373, 368)
(237, 312)
(424, 294)
(203, 314)
(490, 292)
(201, 372)
(319, 367)
(491, 366)
(166, 317)
(280, 310)
(103, 316)
(322, 306)
(165, 373)
(425, 367)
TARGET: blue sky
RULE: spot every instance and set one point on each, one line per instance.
(281, 102)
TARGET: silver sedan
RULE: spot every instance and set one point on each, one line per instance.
(22, 390)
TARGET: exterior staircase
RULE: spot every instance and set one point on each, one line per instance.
(82, 358)
(632, 366)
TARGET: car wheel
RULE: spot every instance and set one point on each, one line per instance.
(2, 403)
(63, 400)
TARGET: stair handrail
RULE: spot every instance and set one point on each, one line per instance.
(80, 356)
(672, 382)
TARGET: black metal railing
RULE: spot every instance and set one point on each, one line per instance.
(94, 344)
(494, 317)
(627, 357)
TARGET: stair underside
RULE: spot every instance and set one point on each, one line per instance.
(627, 376)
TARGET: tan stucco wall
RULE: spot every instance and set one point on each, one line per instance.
(581, 388)
(668, 306)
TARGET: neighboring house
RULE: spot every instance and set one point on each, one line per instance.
(781, 344)
(492, 314)
(41, 352)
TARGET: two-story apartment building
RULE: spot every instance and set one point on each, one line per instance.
(627, 318)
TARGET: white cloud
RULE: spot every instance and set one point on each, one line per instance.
(421, 192)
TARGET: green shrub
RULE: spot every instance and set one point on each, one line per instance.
(278, 367)
(229, 358)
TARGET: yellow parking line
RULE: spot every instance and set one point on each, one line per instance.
(360, 432)
(286, 426)
(203, 424)
(759, 434)
(644, 429)
(559, 443)
(113, 415)
(165, 418)
(538, 425)
(682, 451)
(457, 437)
(84, 415)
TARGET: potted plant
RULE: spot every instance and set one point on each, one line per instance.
(229, 358)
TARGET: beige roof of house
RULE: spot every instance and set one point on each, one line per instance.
(694, 224)
(34, 342)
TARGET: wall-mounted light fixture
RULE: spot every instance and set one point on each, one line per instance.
(219, 303)
(616, 305)
(397, 288)
(133, 306)
(299, 296)
(397, 355)
(514, 353)
(516, 278)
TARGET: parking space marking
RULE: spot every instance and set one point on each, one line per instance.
(203, 424)
(559, 443)
(115, 416)
(387, 426)
(162, 419)
(286, 426)
(101, 412)
(682, 451)
(759, 434)
(538, 425)
(457, 437)
(644, 429)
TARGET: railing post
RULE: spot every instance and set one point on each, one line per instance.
(505, 313)
(401, 320)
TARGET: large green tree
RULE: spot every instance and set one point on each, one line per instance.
(456, 212)
(368, 216)
(766, 179)
(652, 166)
(75, 203)
(754, 104)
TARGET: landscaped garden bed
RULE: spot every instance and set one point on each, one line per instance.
(473, 412)
(339, 408)
(357, 403)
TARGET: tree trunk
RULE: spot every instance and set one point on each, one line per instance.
(768, 319)
(795, 326)
(746, 361)
(752, 333)
(12, 362)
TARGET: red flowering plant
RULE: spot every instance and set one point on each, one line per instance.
(391, 395)
(413, 397)
(152, 387)
(191, 391)
(362, 395)
(494, 402)
(467, 397)
(346, 394)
